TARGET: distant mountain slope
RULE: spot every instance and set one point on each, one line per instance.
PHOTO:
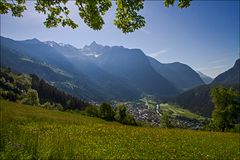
(181, 75)
(112, 86)
(88, 72)
(198, 99)
(133, 66)
(231, 76)
(19, 62)
(56, 70)
(39, 51)
(103, 65)
(206, 79)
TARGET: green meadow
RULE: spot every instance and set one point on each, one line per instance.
(173, 109)
(29, 132)
(177, 111)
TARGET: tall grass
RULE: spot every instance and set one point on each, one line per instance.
(33, 133)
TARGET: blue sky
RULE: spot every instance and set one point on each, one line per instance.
(205, 36)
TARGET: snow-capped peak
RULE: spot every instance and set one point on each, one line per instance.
(61, 44)
(50, 43)
(92, 54)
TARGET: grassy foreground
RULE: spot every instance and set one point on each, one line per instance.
(28, 132)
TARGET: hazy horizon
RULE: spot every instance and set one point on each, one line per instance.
(203, 36)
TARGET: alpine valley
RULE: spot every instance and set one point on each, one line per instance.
(97, 73)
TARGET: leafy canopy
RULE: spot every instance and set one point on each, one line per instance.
(166, 120)
(227, 108)
(127, 16)
(31, 98)
(106, 112)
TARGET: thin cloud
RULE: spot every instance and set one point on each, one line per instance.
(219, 66)
(159, 52)
(227, 57)
(145, 31)
(212, 67)
(202, 68)
(216, 61)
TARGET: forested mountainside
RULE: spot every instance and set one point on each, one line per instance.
(30, 89)
(198, 99)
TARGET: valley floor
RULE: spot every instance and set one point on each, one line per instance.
(29, 132)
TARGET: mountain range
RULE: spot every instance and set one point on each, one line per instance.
(98, 73)
(181, 75)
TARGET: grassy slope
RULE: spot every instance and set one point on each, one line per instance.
(180, 111)
(28, 132)
(177, 111)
